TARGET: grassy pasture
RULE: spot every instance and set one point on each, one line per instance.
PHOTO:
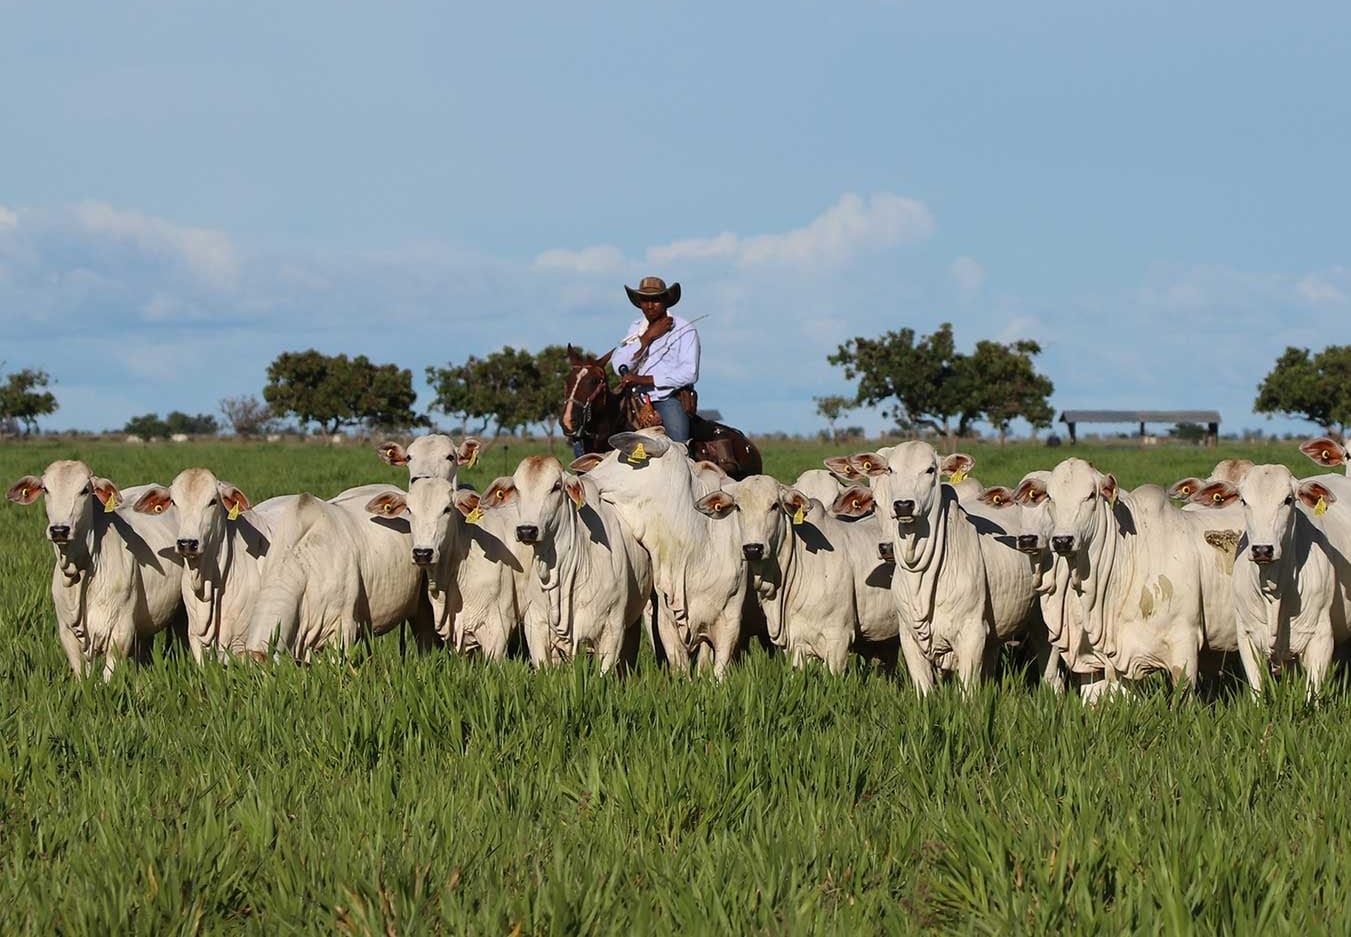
(439, 795)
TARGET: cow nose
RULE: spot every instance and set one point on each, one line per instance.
(422, 556)
(527, 533)
(1062, 543)
(187, 547)
(59, 533)
(1027, 543)
(1264, 553)
(886, 551)
(753, 551)
(903, 509)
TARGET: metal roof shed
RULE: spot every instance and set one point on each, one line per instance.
(1210, 418)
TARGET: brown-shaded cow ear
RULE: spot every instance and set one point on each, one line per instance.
(391, 453)
(1215, 495)
(1324, 450)
(1030, 491)
(26, 490)
(154, 500)
(501, 491)
(1316, 495)
(388, 504)
(1184, 488)
(718, 504)
(585, 463)
(466, 501)
(575, 490)
(996, 496)
(106, 492)
(468, 451)
(957, 466)
(233, 500)
(1108, 487)
(854, 501)
(870, 464)
(795, 504)
(841, 466)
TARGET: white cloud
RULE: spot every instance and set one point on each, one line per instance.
(599, 259)
(968, 275)
(208, 254)
(8, 218)
(1319, 290)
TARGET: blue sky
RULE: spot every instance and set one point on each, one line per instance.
(1157, 193)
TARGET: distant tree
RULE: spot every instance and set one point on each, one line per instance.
(831, 408)
(501, 390)
(1003, 385)
(203, 424)
(147, 426)
(22, 401)
(1314, 387)
(335, 391)
(1188, 432)
(247, 415)
(922, 379)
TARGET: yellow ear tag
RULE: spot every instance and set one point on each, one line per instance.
(1321, 507)
(234, 512)
(159, 509)
(800, 516)
(1112, 500)
(639, 454)
(956, 477)
(110, 505)
(473, 460)
(474, 516)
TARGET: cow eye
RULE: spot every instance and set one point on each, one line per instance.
(558, 485)
(930, 470)
(88, 489)
(446, 509)
(1289, 499)
(211, 503)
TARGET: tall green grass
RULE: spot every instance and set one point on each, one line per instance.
(440, 795)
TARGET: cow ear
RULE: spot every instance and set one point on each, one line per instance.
(841, 466)
(996, 496)
(575, 490)
(1324, 450)
(854, 501)
(870, 464)
(958, 466)
(391, 453)
(499, 492)
(637, 448)
(585, 463)
(106, 492)
(155, 500)
(1108, 487)
(1185, 488)
(1313, 492)
(388, 504)
(1215, 495)
(467, 452)
(232, 499)
(466, 501)
(26, 490)
(718, 504)
(1030, 491)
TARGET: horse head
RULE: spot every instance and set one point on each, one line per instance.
(586, 389)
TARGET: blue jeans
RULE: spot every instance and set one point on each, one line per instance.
(674, 418)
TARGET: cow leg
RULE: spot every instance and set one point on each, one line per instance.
(837, 654)
(970, 651)
(677, 654)
(921, 670)
(1316, 660)
(610, 645)
(1253, 662)
(73, 647)
(1047, 658)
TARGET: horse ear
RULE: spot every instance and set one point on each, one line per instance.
(604, 359)
(572, 355)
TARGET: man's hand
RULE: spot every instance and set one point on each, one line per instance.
(643, 381)
(656, 330)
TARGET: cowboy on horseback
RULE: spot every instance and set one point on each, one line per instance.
(660, 357)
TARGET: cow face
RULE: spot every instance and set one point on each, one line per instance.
(204, 505)
(906, 483)
(1075, 493)
(544, 496)
(761, 509)
(72, 495)
(1268, 494)
(431, 456)
(435, 512)
(1031, 498)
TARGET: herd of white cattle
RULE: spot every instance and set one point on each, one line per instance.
(1105, 585)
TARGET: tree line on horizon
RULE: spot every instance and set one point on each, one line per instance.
(919, 382)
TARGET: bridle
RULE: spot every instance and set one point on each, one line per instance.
(601, 385)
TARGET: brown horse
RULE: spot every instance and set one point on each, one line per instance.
(593, 412)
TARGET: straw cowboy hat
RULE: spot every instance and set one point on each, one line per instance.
(654, 288)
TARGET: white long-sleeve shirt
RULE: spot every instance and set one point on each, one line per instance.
(672, 360)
